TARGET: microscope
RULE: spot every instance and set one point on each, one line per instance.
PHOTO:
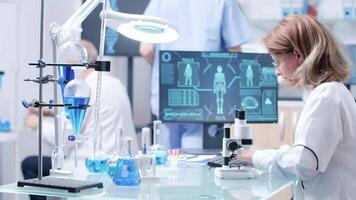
(230, 147)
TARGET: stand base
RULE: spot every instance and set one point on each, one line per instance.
(236, 173)
(71, 185)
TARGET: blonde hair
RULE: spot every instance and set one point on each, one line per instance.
(323, 58)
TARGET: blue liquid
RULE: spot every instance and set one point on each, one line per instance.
(76, 115)
(96, 166)
(126, 173)
(68, 74)
(5, 126)
(110, 169)
(161, 157)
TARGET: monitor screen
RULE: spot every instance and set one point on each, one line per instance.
(207, 87)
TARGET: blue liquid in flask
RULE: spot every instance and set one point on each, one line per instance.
(67, 75)
(76, 115)
(126, 173)
(96, 165)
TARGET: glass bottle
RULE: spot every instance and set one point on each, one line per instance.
(126, 172)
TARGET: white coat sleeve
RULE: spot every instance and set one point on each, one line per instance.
(318, 133)
(283, 162)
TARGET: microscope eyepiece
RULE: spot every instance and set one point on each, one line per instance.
(240, 114)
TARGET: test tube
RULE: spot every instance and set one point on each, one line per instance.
(145, 140)
(156, 130)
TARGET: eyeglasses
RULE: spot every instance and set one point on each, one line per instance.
(277, 62)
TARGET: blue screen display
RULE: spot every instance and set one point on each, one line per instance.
(209, 86)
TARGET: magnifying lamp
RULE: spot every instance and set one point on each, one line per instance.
(142, 28)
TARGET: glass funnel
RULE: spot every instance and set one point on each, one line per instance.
(76, 96)
(70, 52)
(126, 172)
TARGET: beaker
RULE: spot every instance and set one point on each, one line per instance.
(126, 172)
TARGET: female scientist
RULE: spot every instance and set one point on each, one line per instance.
(323, 158)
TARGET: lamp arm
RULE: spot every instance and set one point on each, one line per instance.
(80, 15)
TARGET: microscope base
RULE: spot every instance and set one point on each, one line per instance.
(236, 173)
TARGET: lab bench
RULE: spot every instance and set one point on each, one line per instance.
(192, 181)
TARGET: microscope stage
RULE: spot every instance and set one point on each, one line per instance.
(236, 173)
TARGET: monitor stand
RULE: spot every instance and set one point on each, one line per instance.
(212, 135)
(212, 140)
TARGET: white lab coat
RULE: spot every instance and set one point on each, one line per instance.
(326, 128)
(115, 111)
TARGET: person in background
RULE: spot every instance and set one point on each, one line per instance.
(214, 25)
(307, 56)
(115, 112)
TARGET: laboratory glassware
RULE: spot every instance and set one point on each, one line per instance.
(96, 163)
(76, 98)
(70, 52)
(158, 150)
(126, 172)
(112, 162)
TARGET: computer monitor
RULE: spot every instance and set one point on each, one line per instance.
(207, 87)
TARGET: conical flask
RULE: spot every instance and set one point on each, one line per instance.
(76, 98)
(126, 173)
